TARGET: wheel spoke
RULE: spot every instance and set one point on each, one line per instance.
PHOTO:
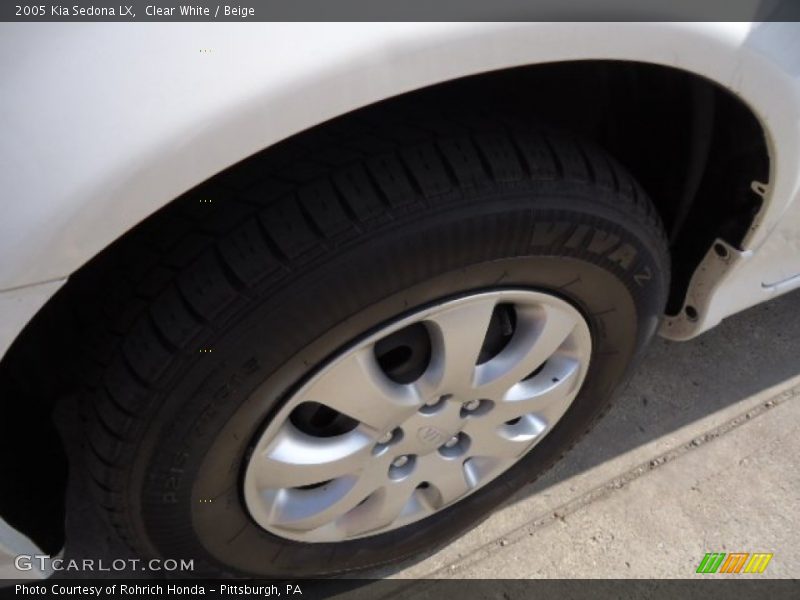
(448, 483)
(548, 394)
(478, 469)
(539, 334)
(357, 387)
(306, 510)
(382, 508)
(489, 441)
(296, 459)
(457, 335)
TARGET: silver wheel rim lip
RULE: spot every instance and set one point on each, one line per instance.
(365, 493)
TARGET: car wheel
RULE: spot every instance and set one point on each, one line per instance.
(353, 368)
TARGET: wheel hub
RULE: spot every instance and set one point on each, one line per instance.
(407, 443)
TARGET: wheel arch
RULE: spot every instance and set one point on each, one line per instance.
(86, 216)
(165, 171)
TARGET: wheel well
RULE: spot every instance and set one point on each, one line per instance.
(693, 146)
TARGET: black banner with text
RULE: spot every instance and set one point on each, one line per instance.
(482, 589)
(408, 10)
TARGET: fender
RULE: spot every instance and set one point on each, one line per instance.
(96, 138)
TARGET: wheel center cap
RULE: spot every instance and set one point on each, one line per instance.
(431, 437)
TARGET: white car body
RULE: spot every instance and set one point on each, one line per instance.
(95, 138)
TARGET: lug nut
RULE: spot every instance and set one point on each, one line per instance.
(451, 442)
(436, 399)
(400, 461)
(386, 437)
(471, 405)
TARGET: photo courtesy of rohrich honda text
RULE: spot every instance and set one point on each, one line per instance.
(330, 297)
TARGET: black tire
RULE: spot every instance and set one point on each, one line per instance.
(208, 300)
